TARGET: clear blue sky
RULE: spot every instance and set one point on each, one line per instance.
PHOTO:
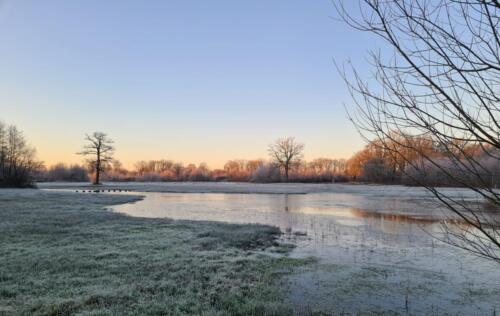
(186, 80)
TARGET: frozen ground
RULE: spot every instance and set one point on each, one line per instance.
(63, 253)
(272, 188)
(375, 251)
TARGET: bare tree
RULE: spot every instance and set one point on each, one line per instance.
(286, 152)
(101, 150)
(442, 81)
(17, 159)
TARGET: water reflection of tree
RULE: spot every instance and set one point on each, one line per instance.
(286, 202)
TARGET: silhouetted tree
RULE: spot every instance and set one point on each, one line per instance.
(442, 81)
(17, 160)
(285, 152)
(101, 150)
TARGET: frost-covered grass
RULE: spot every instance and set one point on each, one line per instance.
(396, 191)
(63, 253)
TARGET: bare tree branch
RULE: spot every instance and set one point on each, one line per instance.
(101, 150)
(442, 84)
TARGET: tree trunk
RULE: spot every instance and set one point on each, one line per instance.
(97, 168)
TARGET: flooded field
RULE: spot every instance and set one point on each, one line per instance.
(374, 244)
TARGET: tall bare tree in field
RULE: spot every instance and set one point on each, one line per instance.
(441, 82)
(100, 149)
(286, 152)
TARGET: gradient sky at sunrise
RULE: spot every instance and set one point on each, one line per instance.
(194, 81)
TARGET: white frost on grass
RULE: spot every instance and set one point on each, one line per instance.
(62, 254)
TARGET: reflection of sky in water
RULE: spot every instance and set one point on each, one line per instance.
(315, 214)
(355, 231)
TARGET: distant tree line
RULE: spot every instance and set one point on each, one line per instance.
(285, 164)
(423, 161)
(64, 172)
(18, 163)
(240, 170)
(375, 163)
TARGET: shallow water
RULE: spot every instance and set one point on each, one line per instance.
(375, 249)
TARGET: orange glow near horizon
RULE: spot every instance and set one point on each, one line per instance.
(184, 86)
(128, 154)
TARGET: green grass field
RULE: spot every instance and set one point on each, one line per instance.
(64, 253)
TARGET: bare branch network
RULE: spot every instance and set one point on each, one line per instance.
(100, 149)
(441, 83)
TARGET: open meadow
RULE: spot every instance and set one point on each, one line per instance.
(250, 157)
(64, 254)
(223, 248)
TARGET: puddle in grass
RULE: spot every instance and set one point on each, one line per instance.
(375, 252)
